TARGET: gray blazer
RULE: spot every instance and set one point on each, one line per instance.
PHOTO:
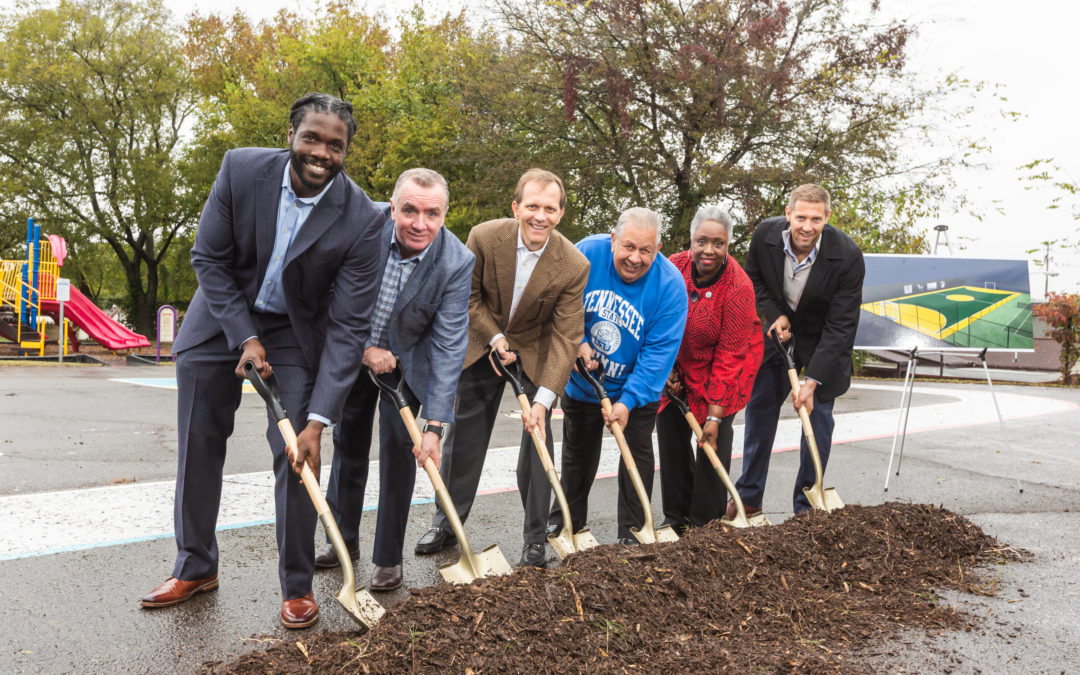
(429, 327)
(331, 279)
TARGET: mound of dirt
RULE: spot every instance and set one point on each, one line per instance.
(799, 597)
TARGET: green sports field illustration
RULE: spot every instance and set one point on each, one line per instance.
(946, 303)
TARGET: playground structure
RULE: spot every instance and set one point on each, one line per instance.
(28, 295)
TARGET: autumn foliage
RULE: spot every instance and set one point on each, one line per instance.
(1061, 312)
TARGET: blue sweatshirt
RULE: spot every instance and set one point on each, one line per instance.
(635, 328)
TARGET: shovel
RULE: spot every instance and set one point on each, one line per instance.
(471, 566)
(359, 603)
(647, 534)
(821, 499)
(740, 519)
(565, 542)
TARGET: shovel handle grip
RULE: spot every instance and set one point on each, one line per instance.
(541, 447)
(510, 372)
(808, 430)
(631, 465)
(595, 383)
(785, 350)
(268, 390)
(307, 476)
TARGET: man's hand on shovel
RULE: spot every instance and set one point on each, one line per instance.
(537, 417)
(429, 448)
(256, 353)
(308, 444)
(805, 395)
(619, 413)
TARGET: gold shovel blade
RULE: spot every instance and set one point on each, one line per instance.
(660, 534)
(361, 605)
(756, 520)
(823, 500)
(565, 543)
(488, 563)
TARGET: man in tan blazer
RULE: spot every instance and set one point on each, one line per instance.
(526, 297)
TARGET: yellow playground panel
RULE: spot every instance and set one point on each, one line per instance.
(942, 312)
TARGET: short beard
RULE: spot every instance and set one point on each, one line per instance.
(297, 163)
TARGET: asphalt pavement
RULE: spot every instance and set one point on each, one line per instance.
(87, 457)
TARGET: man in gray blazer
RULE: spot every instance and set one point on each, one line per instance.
(282, 255)
(420, 324)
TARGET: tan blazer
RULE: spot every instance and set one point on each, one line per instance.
(549, 323)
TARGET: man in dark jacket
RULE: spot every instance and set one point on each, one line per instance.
(286, 277)
(808, 279)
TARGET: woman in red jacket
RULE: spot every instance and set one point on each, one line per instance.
(719, 357)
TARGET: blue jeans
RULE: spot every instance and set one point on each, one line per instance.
(771, 389)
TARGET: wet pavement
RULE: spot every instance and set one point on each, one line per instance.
(74, 438)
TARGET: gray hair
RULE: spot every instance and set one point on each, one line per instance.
(714, 213)
(642, 217)
(424, 178)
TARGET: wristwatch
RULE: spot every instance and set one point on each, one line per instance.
(438, 430)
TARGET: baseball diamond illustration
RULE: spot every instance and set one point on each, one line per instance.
(960, 315)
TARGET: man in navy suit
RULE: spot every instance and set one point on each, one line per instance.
(420, 323)
(807, 279)
(286, 277)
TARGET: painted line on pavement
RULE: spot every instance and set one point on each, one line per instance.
(71, 520)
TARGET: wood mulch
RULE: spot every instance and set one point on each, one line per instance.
(802, 597)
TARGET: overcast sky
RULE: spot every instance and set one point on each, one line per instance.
(1029, 48)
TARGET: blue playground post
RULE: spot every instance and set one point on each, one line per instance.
(29, 293)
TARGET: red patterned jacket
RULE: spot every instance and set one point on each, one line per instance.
(722, 345)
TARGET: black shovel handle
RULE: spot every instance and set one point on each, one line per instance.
(596, 383)
(267, 388)
(511, 372)
(788, 350)
(388, 386)
(677, 401)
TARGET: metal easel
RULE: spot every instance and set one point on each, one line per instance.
(909, 387)
(905, 410)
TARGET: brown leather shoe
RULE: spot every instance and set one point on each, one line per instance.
(327, 556)
(385, 578)
(299, 612)
(174, 591)
(732, 511)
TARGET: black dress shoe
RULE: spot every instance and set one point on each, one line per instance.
(628, 541)
(385, 578)
(327, 556)
(533, 555)
(434, 540)
(553, 529)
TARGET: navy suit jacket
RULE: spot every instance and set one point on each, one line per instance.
(429, 327)
(330, 278)
(827, 317)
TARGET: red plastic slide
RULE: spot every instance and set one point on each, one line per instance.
(97, 324)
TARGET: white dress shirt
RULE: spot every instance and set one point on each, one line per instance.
(526, 263)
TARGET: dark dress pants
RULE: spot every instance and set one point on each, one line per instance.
(479, 395)
(772, 389)
(583, 433)
(208, 394)
(349, 470)
(691, 489)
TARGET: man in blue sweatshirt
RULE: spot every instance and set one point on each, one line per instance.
(635, 311)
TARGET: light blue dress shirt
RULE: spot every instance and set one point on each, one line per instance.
(292, 212)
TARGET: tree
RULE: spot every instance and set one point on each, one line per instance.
(95, 100)
(406, 91)
(1061, 312)
(674, 104)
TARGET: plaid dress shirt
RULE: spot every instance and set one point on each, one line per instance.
(395, 275)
